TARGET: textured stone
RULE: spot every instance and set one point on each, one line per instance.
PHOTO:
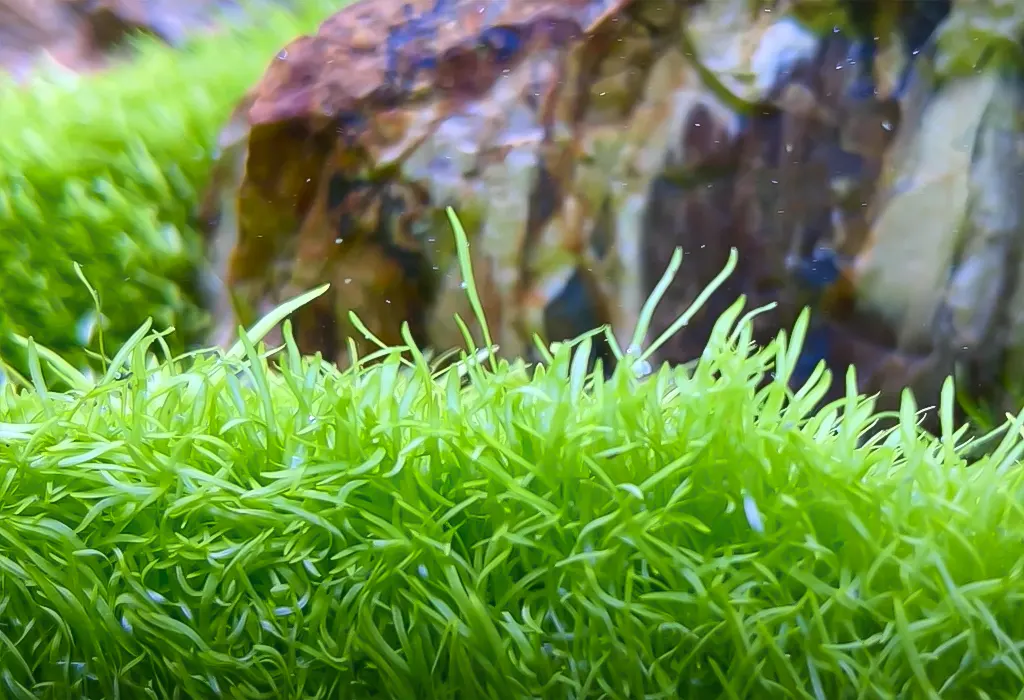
(581, 141)
(942, 267)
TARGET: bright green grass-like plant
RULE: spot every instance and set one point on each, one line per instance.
(230, 525)
(104, 170)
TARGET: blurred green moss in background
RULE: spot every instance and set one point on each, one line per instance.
(104, 170)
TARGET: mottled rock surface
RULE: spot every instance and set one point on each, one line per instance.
(937, 287)
(581, 141)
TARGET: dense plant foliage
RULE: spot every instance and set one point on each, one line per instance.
(255, 523)
(227, 524)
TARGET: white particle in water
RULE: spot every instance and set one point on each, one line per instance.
(226, 552)
(348, 280)
(86, 327)
(753, 514)
(642, 368)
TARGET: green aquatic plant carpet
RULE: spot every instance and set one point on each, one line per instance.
(103, 170)
(258, 524)
(253, 523)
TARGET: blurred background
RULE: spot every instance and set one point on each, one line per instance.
(877, 175)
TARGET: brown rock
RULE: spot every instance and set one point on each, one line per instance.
(579, 141)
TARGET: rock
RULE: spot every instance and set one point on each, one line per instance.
(580, 142)
(82, 35)
(942, 265)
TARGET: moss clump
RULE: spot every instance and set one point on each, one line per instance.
(103, 170)
(228, 526)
